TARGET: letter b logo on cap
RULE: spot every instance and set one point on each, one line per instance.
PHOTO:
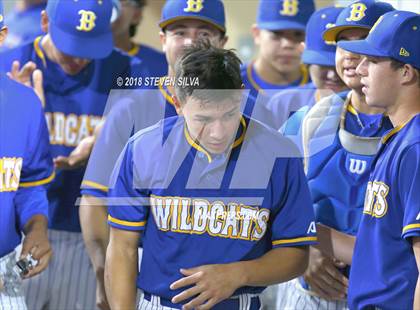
(87, 20)
(194, 6)
(357, 12)
(290, 7)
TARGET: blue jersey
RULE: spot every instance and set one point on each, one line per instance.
(24, 26)
(74, 106)
(257, 84)
(137, 110)
(154, 60)
(196, 208)
(25, 161)
(384, 271)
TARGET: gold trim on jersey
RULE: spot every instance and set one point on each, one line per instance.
(166, 94)
(295, 240)
(394, 131)
(39, 51)
(126, 223)
(39, 182)
(134, 51)
(199, 148)
(411, 226)
(351, 109)
(303, 71)
(95, 185)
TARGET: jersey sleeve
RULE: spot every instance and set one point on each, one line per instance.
(409, 185)
(128, 205)
(294, 223)
(37, 169)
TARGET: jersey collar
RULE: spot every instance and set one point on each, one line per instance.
(198, 147)
(166, 93)
(39, 50)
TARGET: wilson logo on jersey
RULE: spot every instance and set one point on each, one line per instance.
(199, 216)
(87, 20)
(375, 199)
(357, 13)
(290, 8)
(69, 129)
(10, 168)
(194, 6)
(357, 166)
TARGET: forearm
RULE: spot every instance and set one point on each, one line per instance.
(335, 244)
(120, 275)
(276, 266)
(416, 305)
(38, 223)
(95, 230)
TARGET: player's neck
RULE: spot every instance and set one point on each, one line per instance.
(49, 48)
(269, 74)
(123, 42)
(24, 5)
(405, 108)
(358, 101)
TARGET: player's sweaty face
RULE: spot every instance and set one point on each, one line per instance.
(347, 62)
(212, 124)
(281, 50)
(325, 77)
(183, 33)
(70, 65)
(378, 80)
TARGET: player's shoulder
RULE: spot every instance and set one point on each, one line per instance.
(409, 133)
(148, 51)
(154, 135)
(19, 96)
(23, 53)
(244, 69)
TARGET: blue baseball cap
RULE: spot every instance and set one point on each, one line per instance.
(209, 11)
(81, 28)
(284, 14)
(317, 51)
(396, 35)
(359, 14)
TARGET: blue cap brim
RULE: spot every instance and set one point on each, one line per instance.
(76, 46)
(361, 47)
(281, 25)
(164, 23)
(311, 57)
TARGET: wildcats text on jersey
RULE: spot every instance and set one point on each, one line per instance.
(69, 129)
(10, 168)
(375, 202)
(199, 216)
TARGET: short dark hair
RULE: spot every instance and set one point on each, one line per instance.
(396, 64)
(139, 4)
(214, 68)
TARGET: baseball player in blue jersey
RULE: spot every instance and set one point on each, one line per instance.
(25, 166)
(340, 136)
(79, 67)
(320, 59)
(182, 24)
(386, 260)
(124, 29)
(212, 234)
(279, 34)
(24, 23)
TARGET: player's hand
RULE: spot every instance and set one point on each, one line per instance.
(30, 76)
(324, 278)
(101, 300)
(210, 285)
(36, 243)
(78, 158)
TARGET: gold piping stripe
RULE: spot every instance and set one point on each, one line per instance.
(126, 223)
(303, 70)
(296, 240)
(38, 50)
(95, 185)
(393, 132)
(351, 109)
(38, 183)
(411, 226)
(165, 94)
(134, 51)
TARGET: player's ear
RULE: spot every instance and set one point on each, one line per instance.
(256, 34)
(223, 41)
(162, 37)
(44, 21)
(409, 75)
(177, 104)
(3, 34)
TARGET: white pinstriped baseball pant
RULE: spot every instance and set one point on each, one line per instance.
(10, 299)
